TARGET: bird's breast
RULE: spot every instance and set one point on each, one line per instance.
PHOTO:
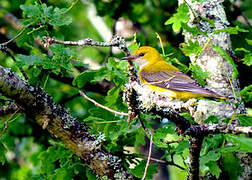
(141, 62)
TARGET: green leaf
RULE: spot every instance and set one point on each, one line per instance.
(230, 61)
(159, 137)
(2, 153)
(181, 147)
(193, 30)
(249, 41)
(62, 173)
(242, 49)
(231, 30)
(246, 93)
(212, 119)
(229, 160)
(208, 162)
(30, 60)
(187, 116)
(244, 143)
(90, 175)
(214, 168)
(113, 95)
(199, 74)
(139, 137)
(31, 10)
(51, 155)
(192, 48)
(247, 60)
(84, 77)
(58, 17)
(123, 127)
(117, 71)
(93, 119)
(43, 14)
(228, 149)
(181, 16)
(40, 13)
(138, 171)
(210, 156)
(210, 21)
(245, 120)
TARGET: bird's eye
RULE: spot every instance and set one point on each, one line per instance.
(141, 54)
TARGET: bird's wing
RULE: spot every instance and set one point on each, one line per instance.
(173, 80)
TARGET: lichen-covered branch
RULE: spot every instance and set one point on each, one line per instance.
(220, 71)
(227, 128)
(116, 41)
(58, 121)
(195, 147)
(221, 78)
(220, 81)
(8, 109)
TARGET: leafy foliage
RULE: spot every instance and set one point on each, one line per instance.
(115, 72)
(246, 93)
(192, 48)
(178, 18)
(231, 30)
(139, 169)
(40, 13)
(241, 143)
(28, 152)
(199, 74)
(229, 158)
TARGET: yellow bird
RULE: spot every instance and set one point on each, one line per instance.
(159, 75)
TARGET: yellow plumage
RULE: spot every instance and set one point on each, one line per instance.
(159, 75)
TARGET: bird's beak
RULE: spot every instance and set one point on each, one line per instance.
(130, 57)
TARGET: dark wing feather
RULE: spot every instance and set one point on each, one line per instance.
(174, 80)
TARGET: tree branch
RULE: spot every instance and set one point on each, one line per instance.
(195, 147)
(116, 41)
(57, 120)
(8, 109)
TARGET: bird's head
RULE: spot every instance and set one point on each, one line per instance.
(144, 55)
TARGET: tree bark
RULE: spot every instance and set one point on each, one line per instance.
(58, 121)
(220, 71)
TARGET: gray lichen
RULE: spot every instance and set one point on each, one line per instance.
(58, 121)
(198, 109)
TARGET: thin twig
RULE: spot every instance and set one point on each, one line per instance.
(101, 106)
(176, 141)
(194, 15)
(149, 156)
(7, 122)
(200, 52)
(14, 38)
(8, 52)
(230, 82)
(72, 5)
(160, 161)
(161, 43)
(4, 48)
(106, 122)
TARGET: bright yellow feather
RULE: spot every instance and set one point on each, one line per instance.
(161, 76)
